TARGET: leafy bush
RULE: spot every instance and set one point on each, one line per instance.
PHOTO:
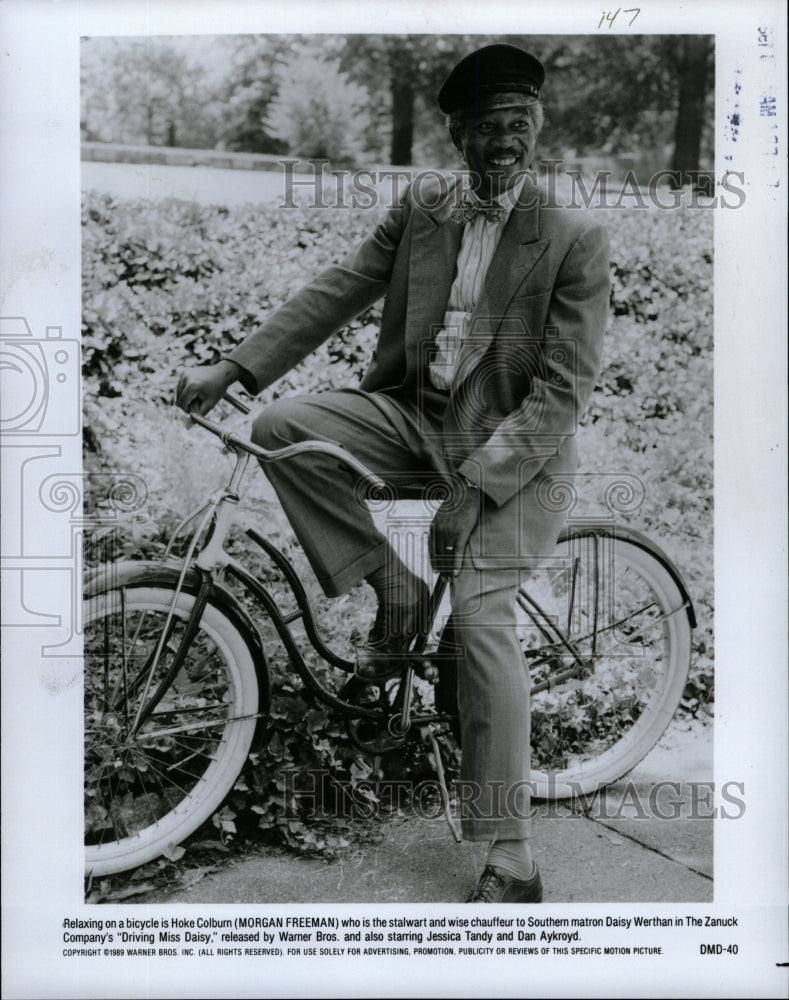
(183, 285)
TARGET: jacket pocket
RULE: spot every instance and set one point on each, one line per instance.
(529, 295)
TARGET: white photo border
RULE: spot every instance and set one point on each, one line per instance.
(40, 271)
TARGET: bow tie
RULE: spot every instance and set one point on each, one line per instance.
(468, 210)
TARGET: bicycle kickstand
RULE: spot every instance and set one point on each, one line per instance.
(429, 737)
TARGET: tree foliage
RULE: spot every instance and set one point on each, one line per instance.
(403, 74)
(604, 93)
(245, 86)
(318, 111)
(143, 91)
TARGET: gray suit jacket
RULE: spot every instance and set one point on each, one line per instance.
(524, 374)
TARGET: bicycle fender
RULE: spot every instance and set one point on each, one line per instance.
(625, 534)
(133, 571)
(127, 572)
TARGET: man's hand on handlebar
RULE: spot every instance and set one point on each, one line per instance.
(200, 389)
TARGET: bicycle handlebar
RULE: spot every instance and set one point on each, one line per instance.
(237, 444)
(236, 402)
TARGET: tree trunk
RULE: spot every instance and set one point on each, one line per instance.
(402, 116)
(692, 70)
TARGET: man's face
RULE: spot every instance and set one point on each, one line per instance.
(498, 145)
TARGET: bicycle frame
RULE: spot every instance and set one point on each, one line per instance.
(617, 717)
(212, 563)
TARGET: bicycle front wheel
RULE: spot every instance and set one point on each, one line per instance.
(607, 641)
(149, 784)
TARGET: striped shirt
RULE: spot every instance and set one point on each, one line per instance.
(480, 239)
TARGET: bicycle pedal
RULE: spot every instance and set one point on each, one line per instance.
(424, 668)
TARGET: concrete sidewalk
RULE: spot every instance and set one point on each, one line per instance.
(620, 851)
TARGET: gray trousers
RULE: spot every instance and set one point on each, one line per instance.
(399, 439)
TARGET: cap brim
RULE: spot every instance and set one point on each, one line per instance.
(496, 100)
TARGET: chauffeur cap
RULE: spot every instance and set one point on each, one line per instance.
(493, 69)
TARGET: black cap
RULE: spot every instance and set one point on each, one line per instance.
(492, 69)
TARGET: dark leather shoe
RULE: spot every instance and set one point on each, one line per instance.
(393, 632)
(497, 887)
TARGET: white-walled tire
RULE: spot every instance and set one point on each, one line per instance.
(629, 623)
(147, 791)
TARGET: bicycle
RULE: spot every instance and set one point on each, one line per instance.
(177, 688)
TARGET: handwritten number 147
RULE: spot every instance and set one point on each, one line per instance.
(610, 16)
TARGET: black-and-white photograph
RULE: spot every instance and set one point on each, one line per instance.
(387, 467)
(446, 267)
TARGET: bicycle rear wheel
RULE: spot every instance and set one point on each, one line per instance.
(148, 786)
(607, 639)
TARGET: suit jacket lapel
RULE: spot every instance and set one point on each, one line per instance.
(434, 250)
(518, 251)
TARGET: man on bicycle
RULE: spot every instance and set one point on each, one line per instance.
(489, 347)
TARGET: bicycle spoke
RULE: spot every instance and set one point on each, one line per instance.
(158, 790)
(189, 727)
(124, 659)
(171, 707)
(117, 811)
(599, 680)
(165, 775)
(106, 662)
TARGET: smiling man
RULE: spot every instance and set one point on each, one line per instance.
(495, 128)
(489, 347)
